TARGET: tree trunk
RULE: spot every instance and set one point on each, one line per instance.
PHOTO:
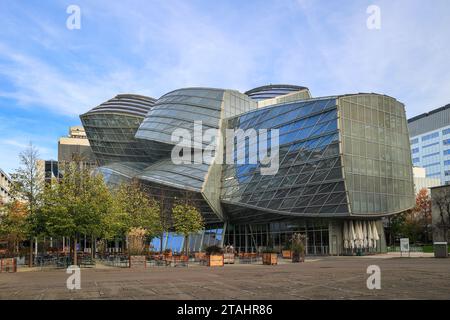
(161, 243)
(93, 247)
(75, 251)
(186, 245)
(30, 263)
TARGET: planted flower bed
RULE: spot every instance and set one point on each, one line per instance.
(214, 256)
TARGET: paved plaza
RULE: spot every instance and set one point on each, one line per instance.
(317, 278)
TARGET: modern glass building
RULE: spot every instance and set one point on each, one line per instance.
(274, 90)
(430, 143)
(343, 164)
(111, 128)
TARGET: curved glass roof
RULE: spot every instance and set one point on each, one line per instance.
(272, 91)
(131, 104)
(178, 110)
(120, 172)
(184, 176)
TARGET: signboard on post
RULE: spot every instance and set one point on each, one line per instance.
(404, 246)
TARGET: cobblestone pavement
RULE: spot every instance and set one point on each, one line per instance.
(317, 278)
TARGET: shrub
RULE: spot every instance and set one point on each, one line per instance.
(298, 243)
(298, 247)
(211, 250)
(136, 238)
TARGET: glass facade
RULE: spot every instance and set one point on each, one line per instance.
(111, 129)
(255, 237)
(377, 158)
(117, 173)
(430, 141)
(309, 180)
(180, 108)
(51, 171)
(211, 235)
(112, 139)
(340, 158)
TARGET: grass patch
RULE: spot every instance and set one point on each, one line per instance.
(429, 249)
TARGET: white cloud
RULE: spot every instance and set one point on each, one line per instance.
(407, 59)
(62, 91)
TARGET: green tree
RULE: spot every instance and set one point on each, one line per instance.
(141, 210)
(187, 219)
(116, 223)
(77, 205)
(397, 223)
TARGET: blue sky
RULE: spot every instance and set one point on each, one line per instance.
(50, 74)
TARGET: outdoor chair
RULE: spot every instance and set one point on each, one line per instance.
(160, 263)
(87, 262)
(180, 261)
(63, 262)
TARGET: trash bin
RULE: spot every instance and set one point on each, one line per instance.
(440, 249)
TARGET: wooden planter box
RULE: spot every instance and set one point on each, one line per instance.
(138, 261)
(286, 254)
(270, 259)
(228, 258)
(8, 265)
(215, 260)
(199, 256)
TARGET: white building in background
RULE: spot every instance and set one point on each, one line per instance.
(430, 143)
(421, 181)
(5, 186)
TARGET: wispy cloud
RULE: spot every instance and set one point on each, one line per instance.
(407, 58)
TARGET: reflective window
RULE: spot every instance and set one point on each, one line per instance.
(430, 136)
(308, 154)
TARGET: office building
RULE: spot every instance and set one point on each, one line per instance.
(430, 143)
(422, 182)
(5, 187)
(48, 170)
(343, 163)
(75, 147)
